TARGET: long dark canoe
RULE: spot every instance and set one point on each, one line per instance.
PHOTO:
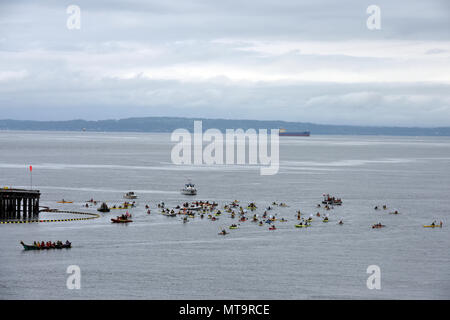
(33, 247)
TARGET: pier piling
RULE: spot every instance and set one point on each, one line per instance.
(19, 204)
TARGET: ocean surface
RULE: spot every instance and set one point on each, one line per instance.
(158, 257)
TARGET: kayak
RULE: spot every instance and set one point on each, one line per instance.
(325, 220)
(223, 233)
(301, 225)
(64, 201)
(233, 227)
(435, 226)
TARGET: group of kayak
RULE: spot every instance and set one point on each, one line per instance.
(209, 209)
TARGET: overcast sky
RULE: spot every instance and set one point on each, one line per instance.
(310, 61)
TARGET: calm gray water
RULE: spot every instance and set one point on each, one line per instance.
(157, 257)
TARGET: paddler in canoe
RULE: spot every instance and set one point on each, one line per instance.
(378, 225)
(223, 232)
(433, 224)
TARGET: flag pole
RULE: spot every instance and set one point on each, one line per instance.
(31, 178)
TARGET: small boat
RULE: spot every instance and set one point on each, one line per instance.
(284, 133)
(325, 220)
(103, 208)
(121, 220)
(34, 247)
(272, 228)
(233, 227)
(301, 225)
(378, 226)
(433, 226)
(64, 201)
(170, 214)
(130, 195)
(327, 199)
(189, 189)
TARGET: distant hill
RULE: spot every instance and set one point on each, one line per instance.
(168, 124)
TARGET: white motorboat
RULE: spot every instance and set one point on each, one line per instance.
(130, 195)
(189, 189)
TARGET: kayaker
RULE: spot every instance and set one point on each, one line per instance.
(440, 224)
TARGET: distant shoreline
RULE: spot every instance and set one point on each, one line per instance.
(169, 124)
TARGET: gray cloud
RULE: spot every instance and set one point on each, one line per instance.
(290, 60)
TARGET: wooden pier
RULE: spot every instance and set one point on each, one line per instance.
(19, 204)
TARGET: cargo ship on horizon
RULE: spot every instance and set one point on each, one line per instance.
(285, 133)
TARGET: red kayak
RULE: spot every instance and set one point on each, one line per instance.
(121, 220)
(272, 228)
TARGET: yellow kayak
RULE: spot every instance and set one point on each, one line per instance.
(64, 201)
(233, 227)
(301, 225)
(435, 226)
